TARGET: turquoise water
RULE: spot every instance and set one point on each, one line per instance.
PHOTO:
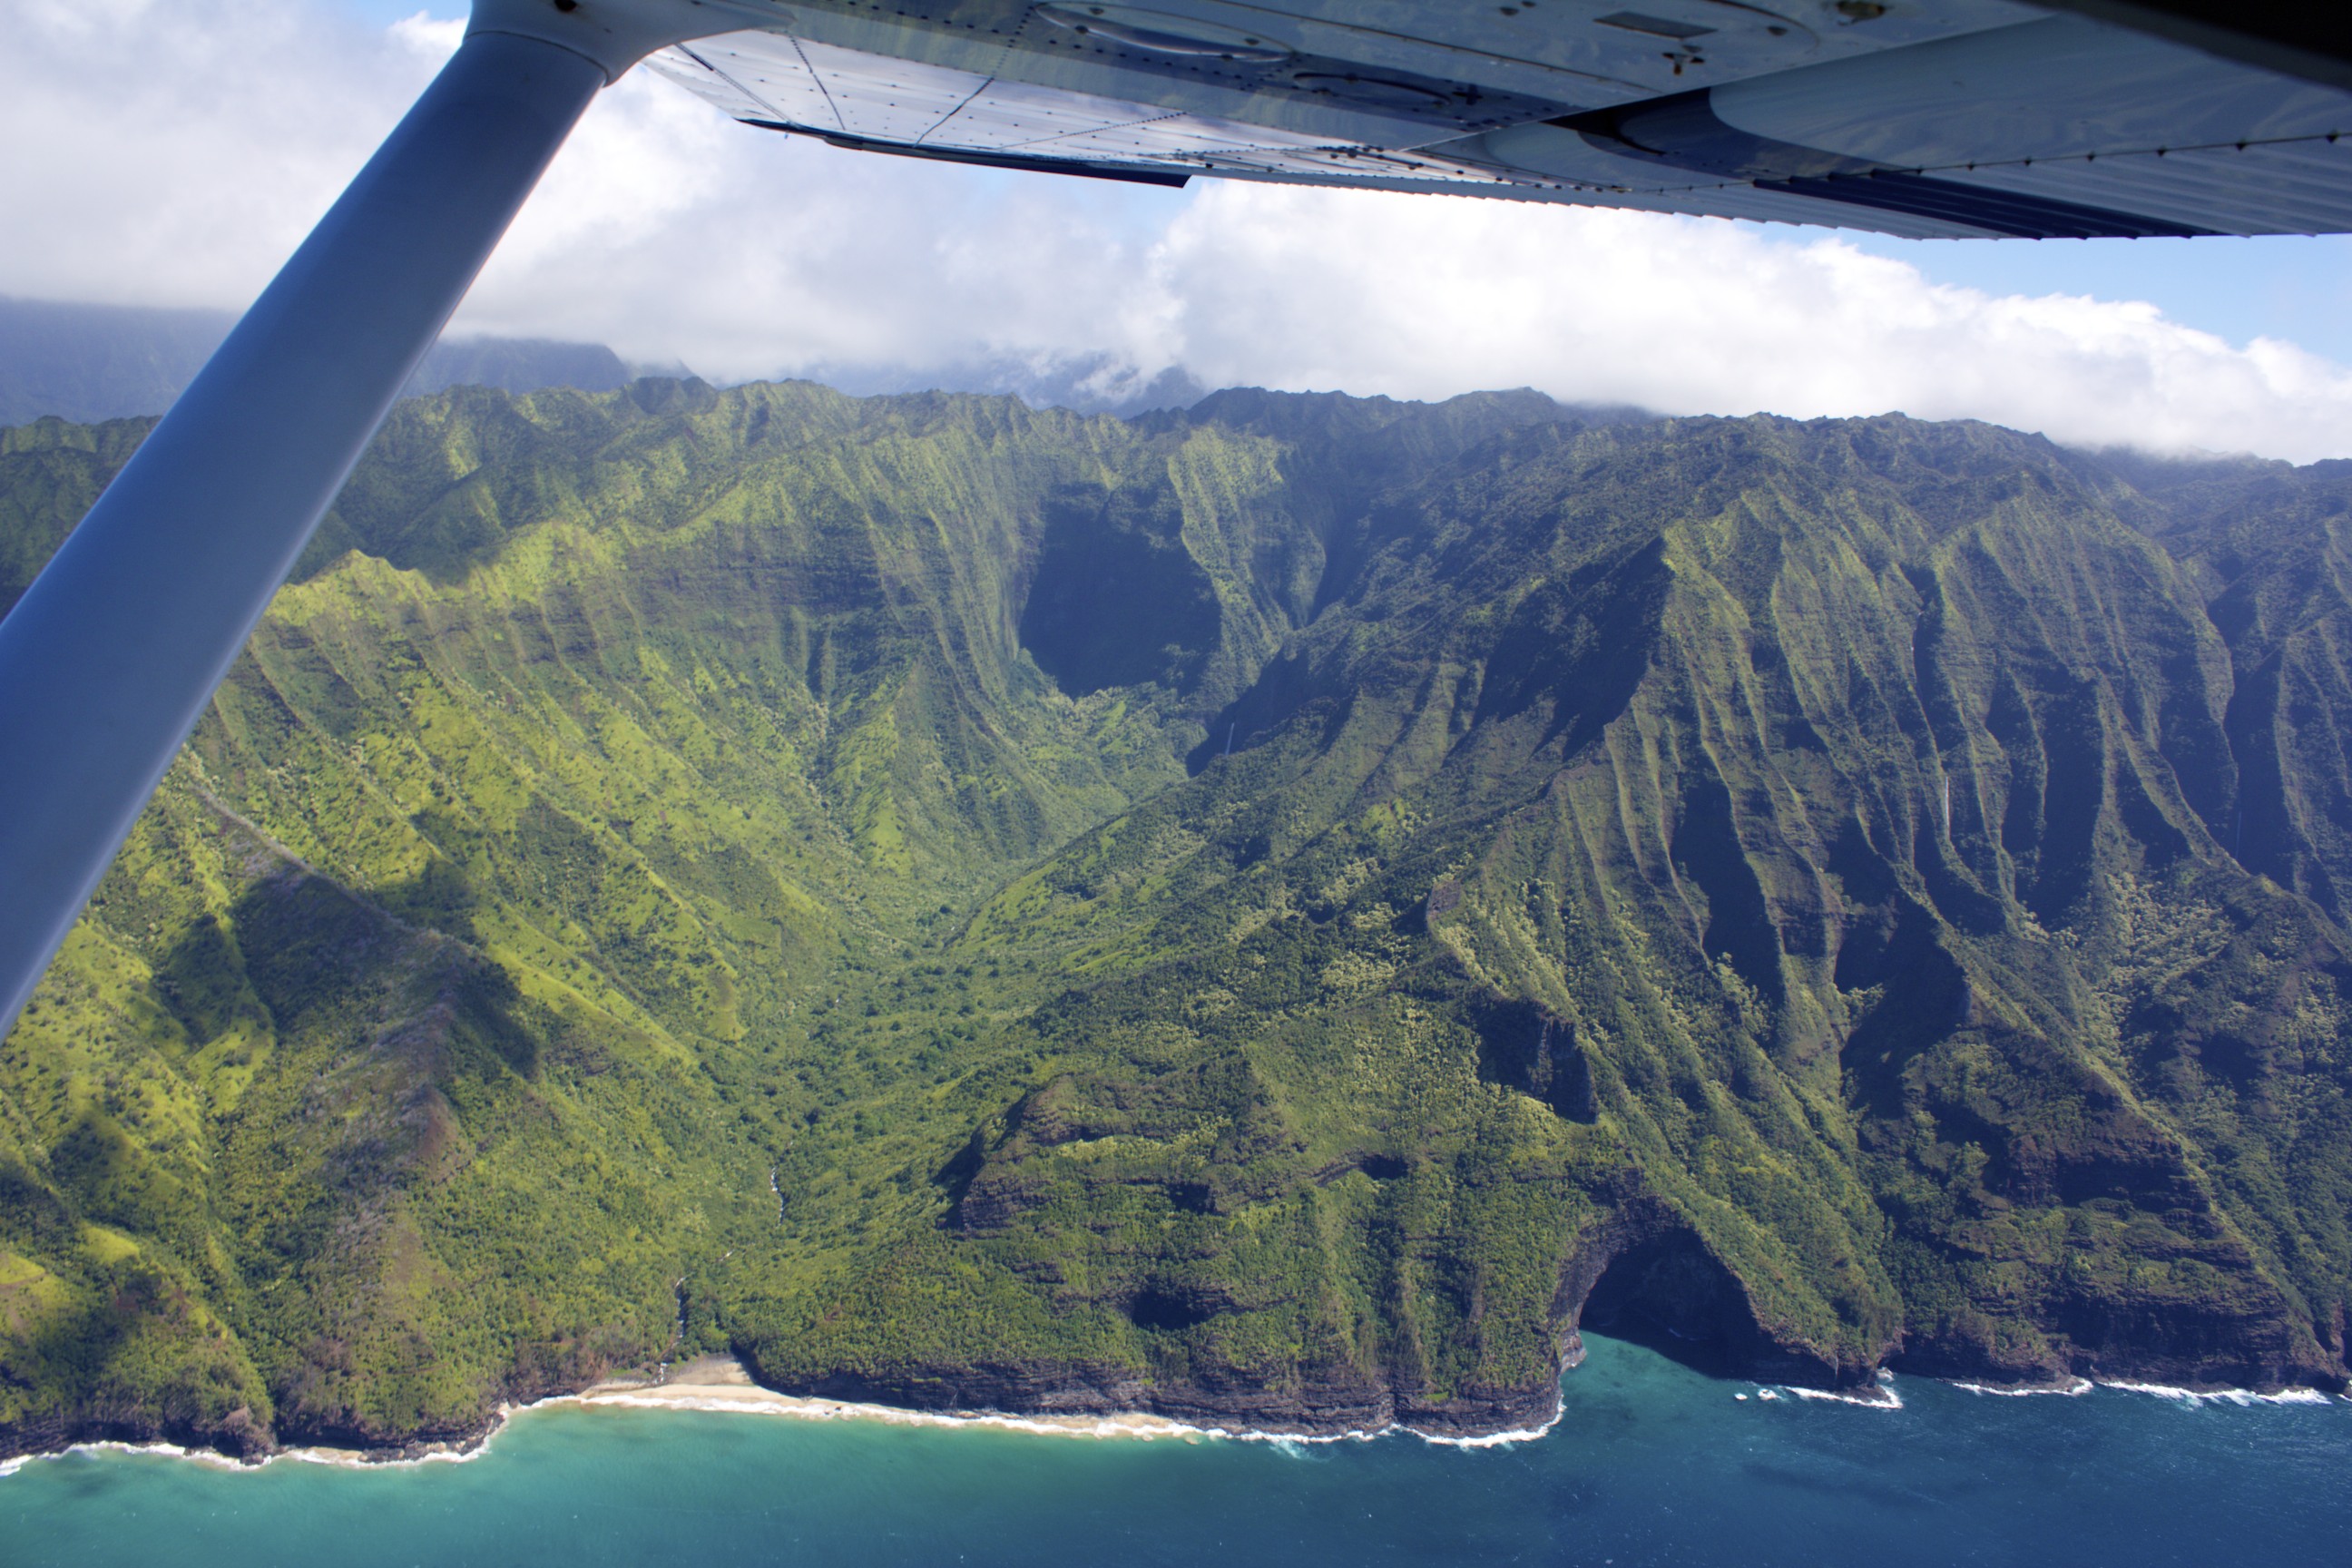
(1651, 1464)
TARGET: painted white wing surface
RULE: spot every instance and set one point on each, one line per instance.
(1955, 118)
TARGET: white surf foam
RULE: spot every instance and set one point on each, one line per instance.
(1496, 1439)
(1886, 1400)
(2027, 1391)
(1882, 1398)
(2240, 1396)
(343, 1458)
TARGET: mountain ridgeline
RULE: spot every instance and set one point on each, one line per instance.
(105, 362)
(1274, 914)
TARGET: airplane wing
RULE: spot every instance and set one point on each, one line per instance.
(1923, 118)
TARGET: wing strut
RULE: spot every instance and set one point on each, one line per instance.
(110, 657)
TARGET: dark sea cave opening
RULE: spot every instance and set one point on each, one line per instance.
(1670, 1295)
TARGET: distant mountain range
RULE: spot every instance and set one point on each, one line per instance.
(1279, 912)
(85, 362)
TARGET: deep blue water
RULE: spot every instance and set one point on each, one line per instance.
(1651, 1464)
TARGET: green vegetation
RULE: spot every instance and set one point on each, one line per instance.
(1253, 911)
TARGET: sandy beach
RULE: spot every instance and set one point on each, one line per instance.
(720, 1382)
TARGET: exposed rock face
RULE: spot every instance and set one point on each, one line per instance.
(1640, 1271)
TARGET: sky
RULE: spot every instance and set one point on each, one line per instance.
(175, 152)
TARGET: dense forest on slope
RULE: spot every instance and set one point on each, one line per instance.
(1278, 911)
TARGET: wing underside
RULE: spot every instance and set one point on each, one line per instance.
(1939, 117)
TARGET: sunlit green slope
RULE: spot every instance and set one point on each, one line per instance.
(1271, 911)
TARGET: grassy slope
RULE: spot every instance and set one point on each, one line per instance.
(682, 869)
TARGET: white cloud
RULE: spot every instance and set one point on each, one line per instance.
(1422, 298)
(175, 153)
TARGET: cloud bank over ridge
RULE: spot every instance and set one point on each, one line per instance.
(175, 153)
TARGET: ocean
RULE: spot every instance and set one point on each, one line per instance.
(1650, 1463)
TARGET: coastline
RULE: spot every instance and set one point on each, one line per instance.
(721, 1384)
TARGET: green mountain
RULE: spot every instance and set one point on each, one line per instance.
(1276, 912)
